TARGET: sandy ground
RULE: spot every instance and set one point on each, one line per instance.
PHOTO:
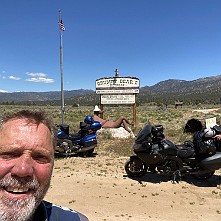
(99, 188)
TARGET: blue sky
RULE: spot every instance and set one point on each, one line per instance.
(153, 40)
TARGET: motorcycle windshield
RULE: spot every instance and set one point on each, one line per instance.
(143, 134)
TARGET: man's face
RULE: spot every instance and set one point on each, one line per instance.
(26, 164)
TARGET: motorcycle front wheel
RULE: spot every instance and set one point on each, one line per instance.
(203, 176)
(134, 167)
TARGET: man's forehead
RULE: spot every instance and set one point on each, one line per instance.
(22, 125)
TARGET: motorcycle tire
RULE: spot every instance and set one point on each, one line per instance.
(89, 152)
(134, 167)
(204, 176)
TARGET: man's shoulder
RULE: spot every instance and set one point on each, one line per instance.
(59, 213)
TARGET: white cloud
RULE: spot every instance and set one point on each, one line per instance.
(36, 74)
(40, 79)
(3, 91)
(14, 78)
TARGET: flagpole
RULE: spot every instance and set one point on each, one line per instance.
(61, 70)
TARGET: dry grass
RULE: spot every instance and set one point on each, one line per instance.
(173, 121)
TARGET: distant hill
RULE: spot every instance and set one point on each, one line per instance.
(41, 96)
(202, 90)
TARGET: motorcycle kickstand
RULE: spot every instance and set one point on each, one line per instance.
(176, 174)
(66, 154)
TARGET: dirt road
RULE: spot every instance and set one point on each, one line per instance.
(98, 187)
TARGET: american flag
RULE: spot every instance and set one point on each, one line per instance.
(61, 25)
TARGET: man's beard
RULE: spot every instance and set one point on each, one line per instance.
(21, 209)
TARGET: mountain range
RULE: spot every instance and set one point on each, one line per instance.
(202, 90)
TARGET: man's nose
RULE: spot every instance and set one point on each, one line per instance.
(23, 166)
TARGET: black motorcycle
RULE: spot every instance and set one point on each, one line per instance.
(82, 143)
(154, 153)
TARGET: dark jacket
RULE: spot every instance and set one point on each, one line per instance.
(50, 212)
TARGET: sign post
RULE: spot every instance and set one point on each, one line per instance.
(118, 90)
(135, 114)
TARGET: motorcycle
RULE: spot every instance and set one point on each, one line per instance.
(82, 143)
(154, 153)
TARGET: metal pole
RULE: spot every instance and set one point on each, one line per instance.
(61, 71)
(135, 113)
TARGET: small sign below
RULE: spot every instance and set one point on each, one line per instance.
(211, 122)
(118, 99)
(122, 91)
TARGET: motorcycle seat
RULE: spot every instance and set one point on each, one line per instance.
(76, 136)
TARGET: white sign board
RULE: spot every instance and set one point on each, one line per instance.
(118, 99)
(117, 82)
(211, 122)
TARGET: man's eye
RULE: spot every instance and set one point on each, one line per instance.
(9, 155)
(41, 158)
